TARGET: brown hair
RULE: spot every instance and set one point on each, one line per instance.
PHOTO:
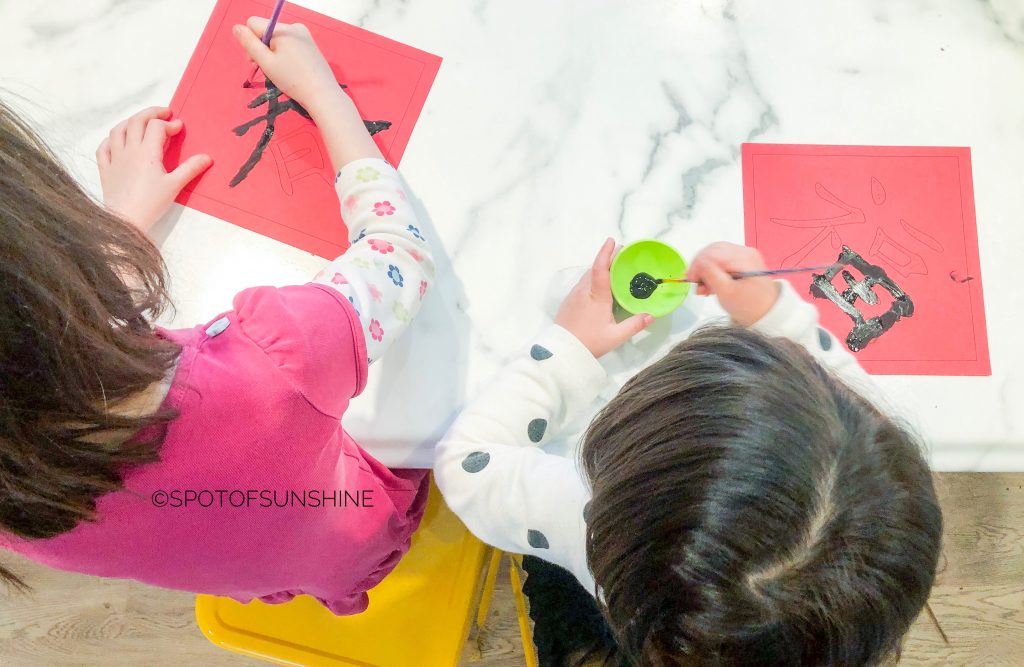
(749, 508)
(78, 288)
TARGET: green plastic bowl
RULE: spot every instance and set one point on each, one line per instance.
(658, 259)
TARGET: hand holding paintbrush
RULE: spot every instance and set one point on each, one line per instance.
(268, 34)
(737, 275)
(298, 69)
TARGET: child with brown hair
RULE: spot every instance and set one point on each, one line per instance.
(110, 426)
(737, 503)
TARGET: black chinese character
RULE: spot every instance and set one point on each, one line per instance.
(864, 331)
(275, 107)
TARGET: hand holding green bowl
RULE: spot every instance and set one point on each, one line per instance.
(658, 260)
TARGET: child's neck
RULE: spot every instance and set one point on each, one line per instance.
(149, 400)
(144, 403)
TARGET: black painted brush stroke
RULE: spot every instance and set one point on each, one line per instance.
(271, 97)
(864, 331)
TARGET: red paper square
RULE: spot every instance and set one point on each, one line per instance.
(908, 210)
(289, 194)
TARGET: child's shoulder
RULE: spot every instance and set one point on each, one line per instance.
(301, 338)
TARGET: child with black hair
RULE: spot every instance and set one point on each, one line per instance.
(737, 503)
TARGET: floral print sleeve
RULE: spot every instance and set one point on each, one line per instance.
(388, 268)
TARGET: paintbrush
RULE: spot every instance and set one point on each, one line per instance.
(736, 275)
(267, 34)
(644, 284)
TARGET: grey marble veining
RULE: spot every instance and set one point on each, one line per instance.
(553, 125)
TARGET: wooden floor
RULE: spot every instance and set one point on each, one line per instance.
(978, 600)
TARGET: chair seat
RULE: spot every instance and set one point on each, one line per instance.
(420, 614)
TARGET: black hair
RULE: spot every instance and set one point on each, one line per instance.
(749, 508)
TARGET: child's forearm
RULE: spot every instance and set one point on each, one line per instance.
(387, 270)
(342, 129)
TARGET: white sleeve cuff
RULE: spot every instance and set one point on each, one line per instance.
(790, 317)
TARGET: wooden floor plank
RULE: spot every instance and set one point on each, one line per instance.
(978, 600)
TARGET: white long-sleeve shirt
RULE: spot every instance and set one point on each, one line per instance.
(386, 271)
(517, 497)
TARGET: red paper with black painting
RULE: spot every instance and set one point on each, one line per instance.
(285, 188)
(906, 214)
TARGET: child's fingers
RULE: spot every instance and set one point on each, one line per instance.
(159, 131)
(155, 133)
(252, 44)
(631, 326)
(103, 153)
(723, 250)
(134, 131)
(714, 278)
(115, 140)
(734, 257)
(719, 251)
(149, 113)
(711, 253)
(600, 281)
(727, 256)
(189, 169)
(136, 127)
(175, 126)
(693, 271)
(258, 25)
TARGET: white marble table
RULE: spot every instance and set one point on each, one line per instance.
(555, 124)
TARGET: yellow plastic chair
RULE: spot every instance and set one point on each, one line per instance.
(515, 571)
(419, 615)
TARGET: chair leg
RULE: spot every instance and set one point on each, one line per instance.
(488, 592)
(529, 652)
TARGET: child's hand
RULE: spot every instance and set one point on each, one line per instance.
(587, 312)
(296, 66)
(293, 62)
(746, 300)
(131, 161)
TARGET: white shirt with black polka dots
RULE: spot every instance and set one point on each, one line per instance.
(514, 495)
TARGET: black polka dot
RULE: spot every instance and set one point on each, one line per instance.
(536, 429)
(537, 539)
(476, 461)
(540, 353)
(824, 339)
(586, 512)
